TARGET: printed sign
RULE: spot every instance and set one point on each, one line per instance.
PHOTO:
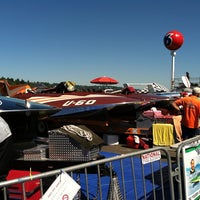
(191, 168)
(63, 188)
(151, 157)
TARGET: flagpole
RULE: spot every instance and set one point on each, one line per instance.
(173, 54)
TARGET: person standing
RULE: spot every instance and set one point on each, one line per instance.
(189, 107)
(7, 153)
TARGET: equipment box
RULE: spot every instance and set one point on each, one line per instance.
(36, 153)
(32, 188)
(74, 143)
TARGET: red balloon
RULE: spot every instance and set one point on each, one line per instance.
(173, 40)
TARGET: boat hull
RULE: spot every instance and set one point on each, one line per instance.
(102, 113)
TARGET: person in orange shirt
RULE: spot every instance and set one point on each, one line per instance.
(189, 107)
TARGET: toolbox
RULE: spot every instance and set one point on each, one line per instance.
(74, 143)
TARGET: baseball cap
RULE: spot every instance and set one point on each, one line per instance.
(196, 90)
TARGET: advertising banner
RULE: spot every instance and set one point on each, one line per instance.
(191, 170)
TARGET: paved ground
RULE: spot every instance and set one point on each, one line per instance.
(119, 149)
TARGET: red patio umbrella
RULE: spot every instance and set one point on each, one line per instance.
(104, 80)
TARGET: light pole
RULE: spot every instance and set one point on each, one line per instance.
(173, 54)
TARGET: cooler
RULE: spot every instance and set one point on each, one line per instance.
(32, 188)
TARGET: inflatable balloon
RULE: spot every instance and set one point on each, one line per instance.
(173, 40)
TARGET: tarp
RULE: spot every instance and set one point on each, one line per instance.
(82, 135)
(128, 179)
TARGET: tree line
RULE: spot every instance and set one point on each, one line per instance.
(39, 84)
(17, 81)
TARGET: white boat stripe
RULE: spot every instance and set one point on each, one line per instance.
(47, 99)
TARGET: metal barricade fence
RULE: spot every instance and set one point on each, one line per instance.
(179, 175)
(139, 175)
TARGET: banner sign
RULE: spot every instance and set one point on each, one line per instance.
(63, 188)
(191, 169)
(151, 157)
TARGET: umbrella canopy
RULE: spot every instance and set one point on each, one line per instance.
(104, 80)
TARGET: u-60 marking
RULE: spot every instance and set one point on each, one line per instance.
(80, 102)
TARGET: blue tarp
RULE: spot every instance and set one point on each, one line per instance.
(142, 180)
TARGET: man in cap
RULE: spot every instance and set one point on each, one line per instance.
(189, 107)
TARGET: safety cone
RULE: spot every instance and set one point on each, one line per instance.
(114, 189)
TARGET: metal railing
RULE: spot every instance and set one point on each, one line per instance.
(138, 175)
(178, 173)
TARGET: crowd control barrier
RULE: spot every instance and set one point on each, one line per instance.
(187, 171)
(139, 175)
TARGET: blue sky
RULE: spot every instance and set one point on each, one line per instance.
(57, 40)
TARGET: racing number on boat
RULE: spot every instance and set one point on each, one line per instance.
(80, 102)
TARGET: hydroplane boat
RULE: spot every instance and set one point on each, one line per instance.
(24, 117)
(102, 113)
(11, 90)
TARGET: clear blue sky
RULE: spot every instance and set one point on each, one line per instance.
(57, 40)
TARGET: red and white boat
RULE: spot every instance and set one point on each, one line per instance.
(103, 113)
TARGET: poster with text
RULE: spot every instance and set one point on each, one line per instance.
(63, 188)
(191, 169)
